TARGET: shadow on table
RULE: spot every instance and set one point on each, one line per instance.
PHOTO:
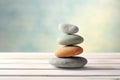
(90, 68)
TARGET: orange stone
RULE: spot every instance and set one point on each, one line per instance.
(68, 51)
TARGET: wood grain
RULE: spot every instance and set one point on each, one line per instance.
(34, 66)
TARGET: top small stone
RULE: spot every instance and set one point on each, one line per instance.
(68, 28)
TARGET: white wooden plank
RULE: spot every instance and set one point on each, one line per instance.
(58, 78)
(63, 72)
(28, 61)
(36, 64)
(49, 55)
(50, 67)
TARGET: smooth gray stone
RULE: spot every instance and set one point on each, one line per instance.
(69, 62)
(68, 28)
(70, 39)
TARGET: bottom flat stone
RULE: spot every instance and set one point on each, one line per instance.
(69, 62)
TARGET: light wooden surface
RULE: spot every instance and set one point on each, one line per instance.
(35, 66)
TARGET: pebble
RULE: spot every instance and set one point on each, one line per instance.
(69, 62)
(68, 28)
(70, 39)
(68, 51)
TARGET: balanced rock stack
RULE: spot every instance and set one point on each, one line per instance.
(66, 55)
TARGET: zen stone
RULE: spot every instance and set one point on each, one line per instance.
(68, 28)
(70, 39)
(69, 62)
(68, 51)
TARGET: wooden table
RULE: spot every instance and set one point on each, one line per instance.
(35, 66)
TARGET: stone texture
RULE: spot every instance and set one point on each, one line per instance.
(70, 39)
(68, 28)
(69, 62)
(68, 51)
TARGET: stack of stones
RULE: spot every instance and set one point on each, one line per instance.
(66, 55)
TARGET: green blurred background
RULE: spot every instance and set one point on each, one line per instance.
(32, 25)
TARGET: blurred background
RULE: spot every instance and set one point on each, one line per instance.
(32, 25)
